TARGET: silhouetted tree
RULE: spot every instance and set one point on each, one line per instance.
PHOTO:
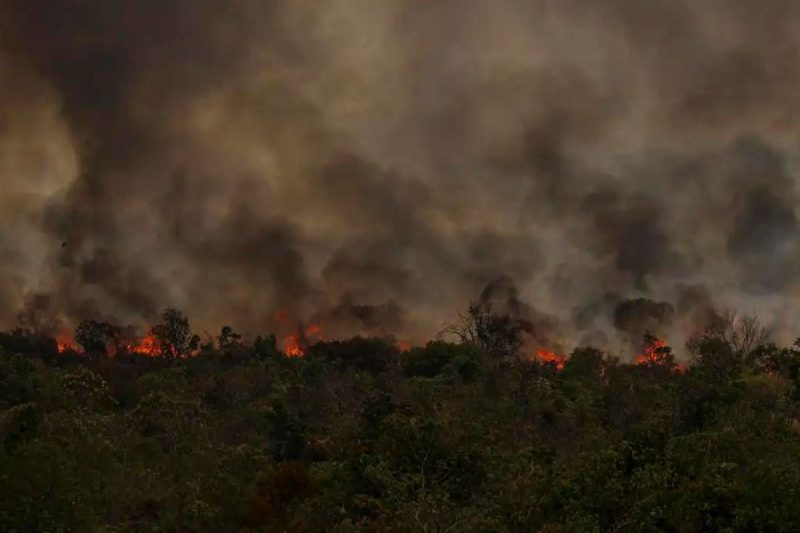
(733, 335)
(173, 335)
(266, 347)
(368, 354)
(95, 337)
(585, 364)
(230, 343)
(227, 338)
(495, 334)
(440, 357)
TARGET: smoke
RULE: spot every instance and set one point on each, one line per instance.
(640, 316)
(376, 164)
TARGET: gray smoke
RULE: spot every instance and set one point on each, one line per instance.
(374, 165)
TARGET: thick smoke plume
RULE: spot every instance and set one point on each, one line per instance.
(374, 165)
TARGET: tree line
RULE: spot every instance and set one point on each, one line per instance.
(230, 434)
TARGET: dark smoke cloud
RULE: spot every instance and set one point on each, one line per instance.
(640, 316)
(376, 165)
(538, 329)
(764, 236)
(349, 318)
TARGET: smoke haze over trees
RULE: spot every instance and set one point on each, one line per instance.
(450, 266)
(374, 166)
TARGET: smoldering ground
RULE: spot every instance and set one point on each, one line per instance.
(380, 163)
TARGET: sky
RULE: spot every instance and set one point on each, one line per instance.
(595, 168)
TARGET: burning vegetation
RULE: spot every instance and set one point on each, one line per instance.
(285, 427)
(551, 357)
(64, 342)
(296, 344)
(656, 351)
(497, 334)
(147, 345)
(333, 179)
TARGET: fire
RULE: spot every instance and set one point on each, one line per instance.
(652, 353)
(64, 343)
(291, 346)
(655, 354)
(295, 344)
(147, 345)
(549, 356)
(403, 346)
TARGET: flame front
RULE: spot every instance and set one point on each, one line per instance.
(295, 344)
(147, 345)
(652, 353)
(64, 343)
(549, 356)
(291, 346)
(655, 354)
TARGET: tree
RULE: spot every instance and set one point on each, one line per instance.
(173, 335)
(230, 343)
(368, 354)
(495, 334)
(740, 335)
(228, 338)
(266, 347)
(585, 363)
(440, 357)
(95, 337)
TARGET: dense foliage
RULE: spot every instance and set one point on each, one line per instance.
(359, 436)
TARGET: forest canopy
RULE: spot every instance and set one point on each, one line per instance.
(363, 434)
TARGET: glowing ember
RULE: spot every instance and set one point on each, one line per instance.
(403, 346)
(291, 346)
(64, 343)
(147, 345)
(549, 356)
(657, 353)
(295, 344)
(653, 353)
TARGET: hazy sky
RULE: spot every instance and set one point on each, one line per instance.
(374, 165)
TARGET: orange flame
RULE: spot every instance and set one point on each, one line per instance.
(403, 346)
(652, 353)
(147, 345)
(64, 343)
(291, 346)
(295, 344)
(549, 356)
